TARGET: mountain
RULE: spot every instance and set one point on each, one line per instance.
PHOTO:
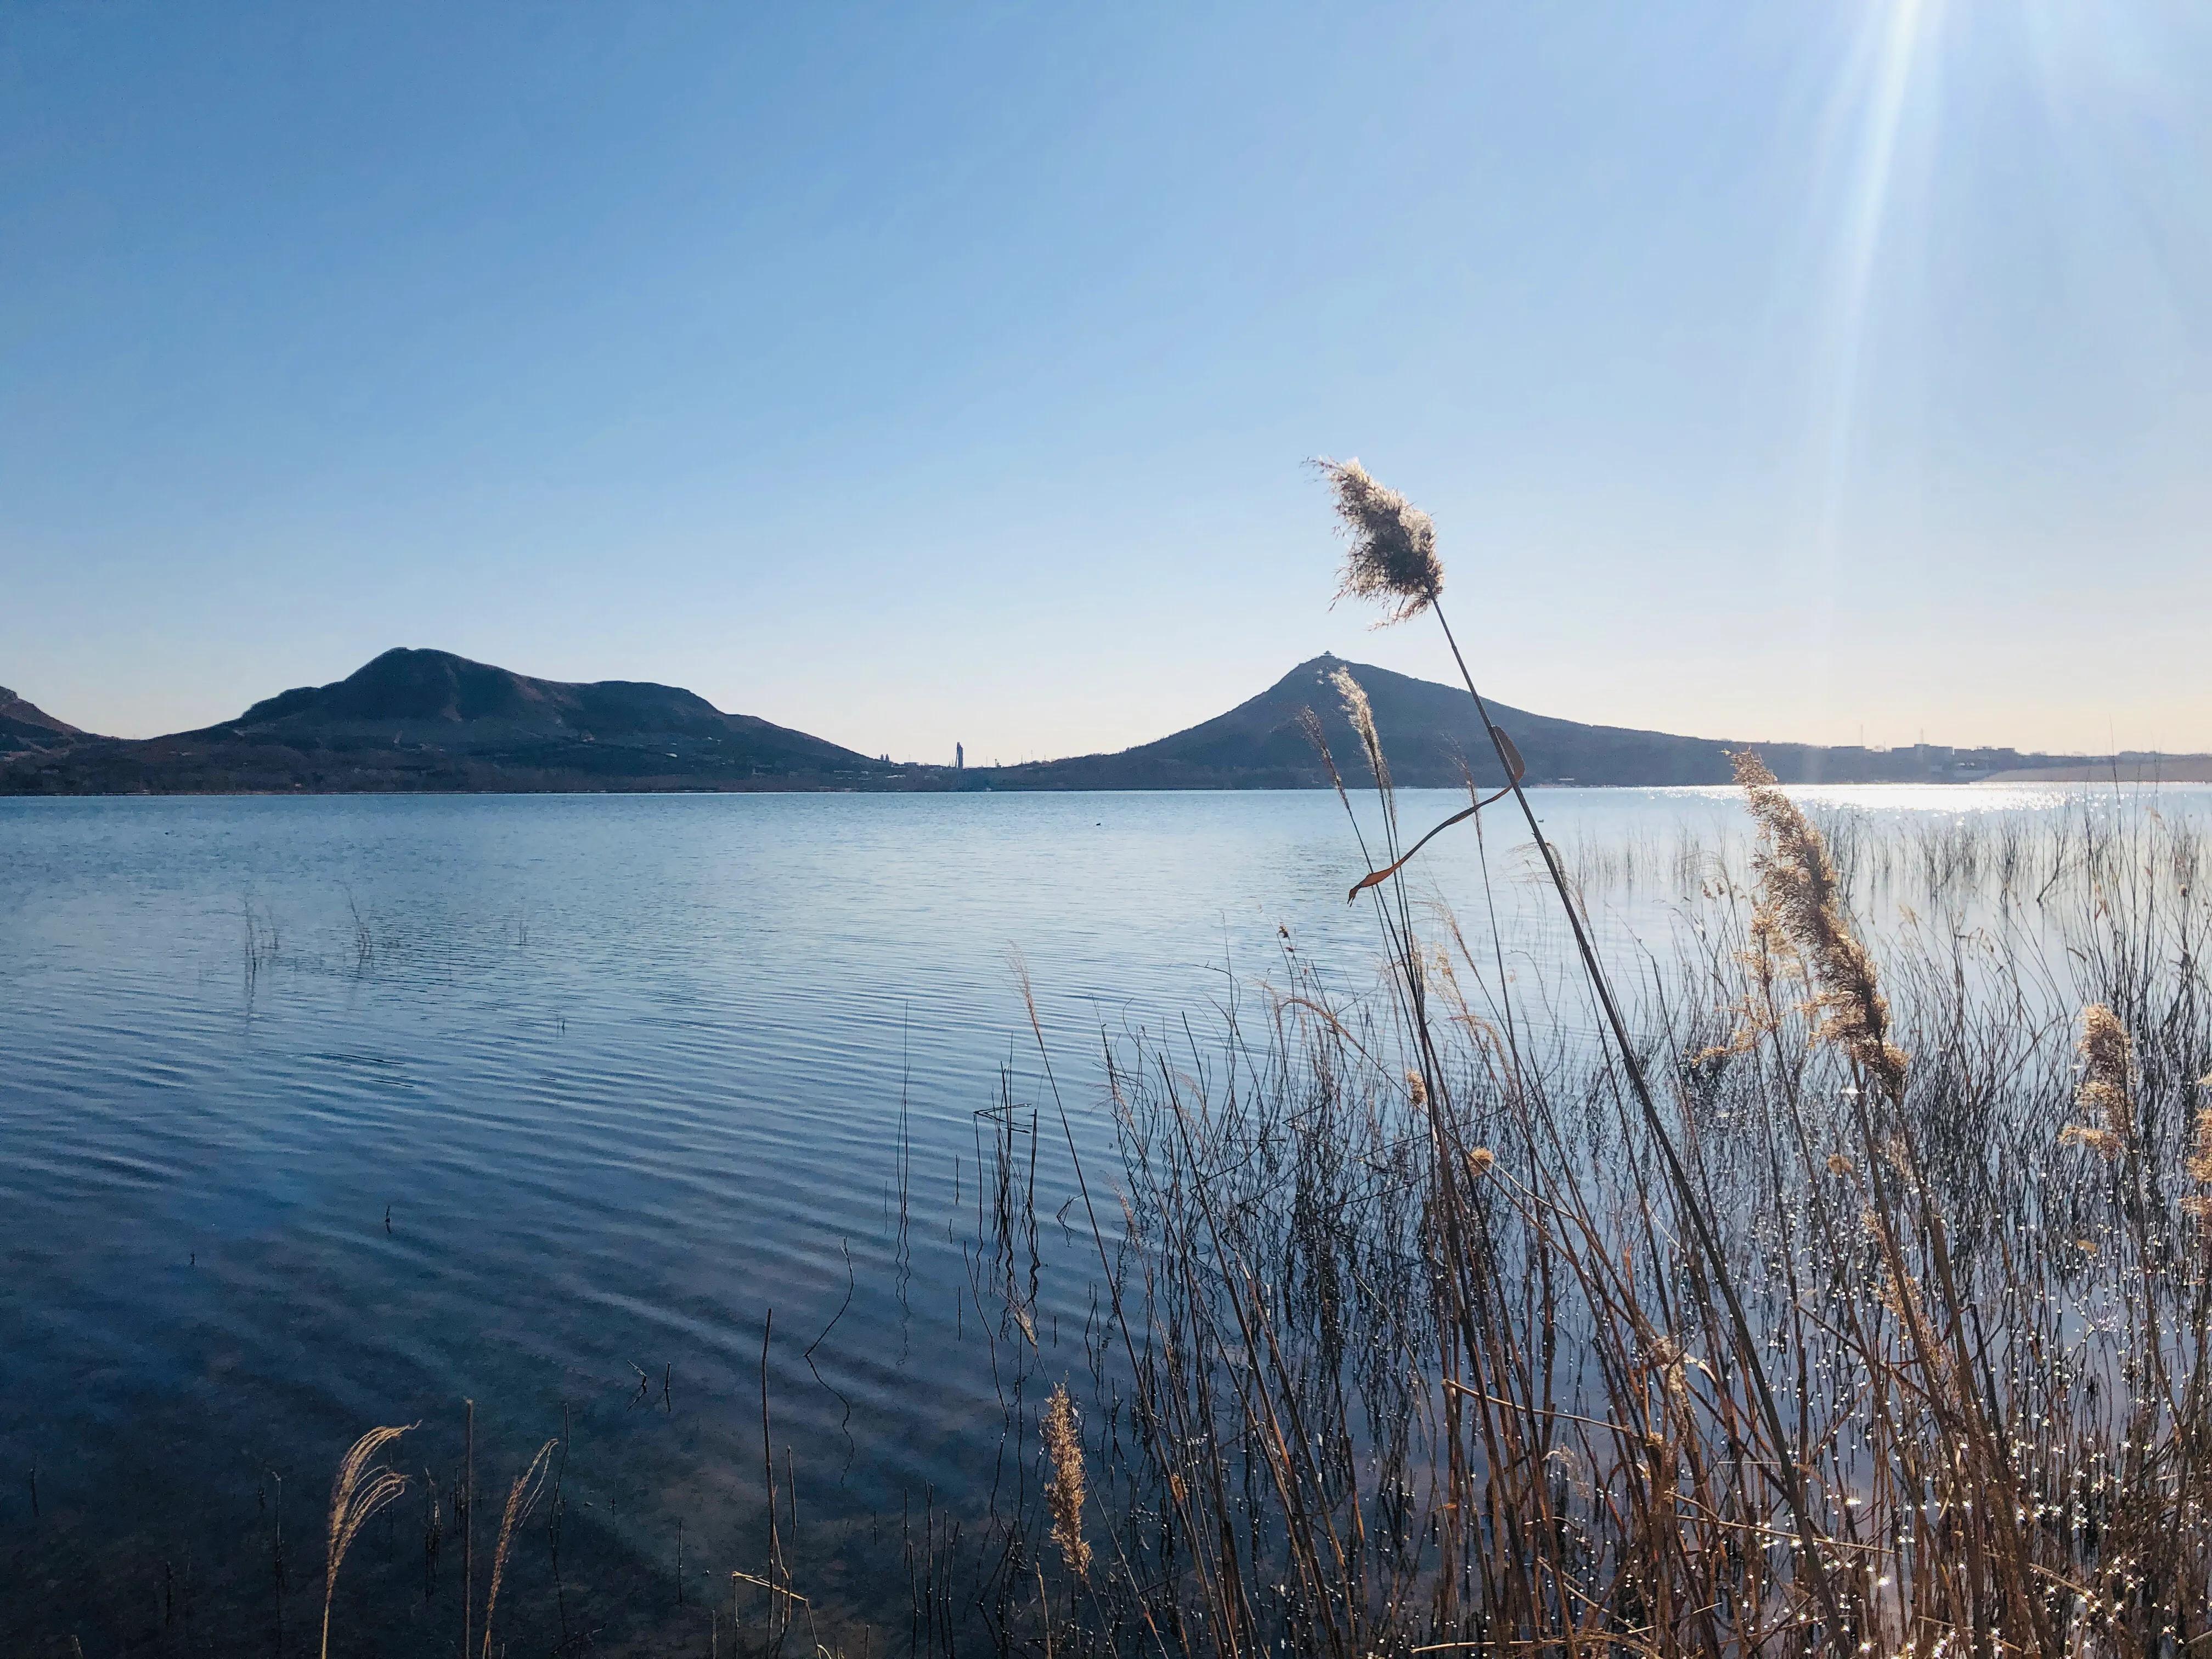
(1427, 728)
(430, 720)
(25, 727)
(425, 721)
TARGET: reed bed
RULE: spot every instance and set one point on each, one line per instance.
(1410, 1350)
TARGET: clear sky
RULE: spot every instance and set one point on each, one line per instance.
(920, 374)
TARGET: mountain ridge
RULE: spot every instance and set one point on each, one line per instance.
(25, 727)
(415, 719)
(419, 719)
(1431, 737)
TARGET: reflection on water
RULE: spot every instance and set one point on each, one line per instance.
(321, 1112)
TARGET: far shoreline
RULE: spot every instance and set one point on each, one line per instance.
(2087, 775)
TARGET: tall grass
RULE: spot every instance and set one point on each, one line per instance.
(1424, 1354)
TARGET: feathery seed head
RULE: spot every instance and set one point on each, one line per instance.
(362, 1487)
(521, 1499)
(1801, 899)
(1065, 1486)
(1393, 553)
(2107, 1071)
(1670, 1358)
(1416, 1088)
(1361, 713)
(2103, 1142)
(2197, 1165)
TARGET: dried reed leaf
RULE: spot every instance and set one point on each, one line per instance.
(1515, 766)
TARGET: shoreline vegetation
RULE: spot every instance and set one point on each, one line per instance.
(1838, 1282)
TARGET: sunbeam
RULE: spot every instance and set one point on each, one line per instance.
(1868, 118)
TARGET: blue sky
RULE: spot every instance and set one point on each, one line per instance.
(910, 374)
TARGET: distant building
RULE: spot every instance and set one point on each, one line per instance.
(959, 758)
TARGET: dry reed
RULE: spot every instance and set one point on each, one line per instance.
(1392, 557)
(361, 1488)
(1542, 1438)
(1361, 713)
(1802, 903)
(2106, 1092)
(521, 1499)
(1065, 1485)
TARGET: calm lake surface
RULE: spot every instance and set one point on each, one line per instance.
(322, 1113)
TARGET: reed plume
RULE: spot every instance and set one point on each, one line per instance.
(2103, 1142)
(1393, 553)
(1361, 713)
(2107, 1065)
(2197, 1164)
(521, 1498)
(362, 1486)
(1801, 901)
(1065, 1488)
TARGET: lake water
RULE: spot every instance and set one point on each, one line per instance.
(321, 1112)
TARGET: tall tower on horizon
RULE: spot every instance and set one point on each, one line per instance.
(959, 758)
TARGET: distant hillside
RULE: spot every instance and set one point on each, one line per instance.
(431, 721)
(2128, 768)
(1427, 728)
(427, 720)
(25, 727)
